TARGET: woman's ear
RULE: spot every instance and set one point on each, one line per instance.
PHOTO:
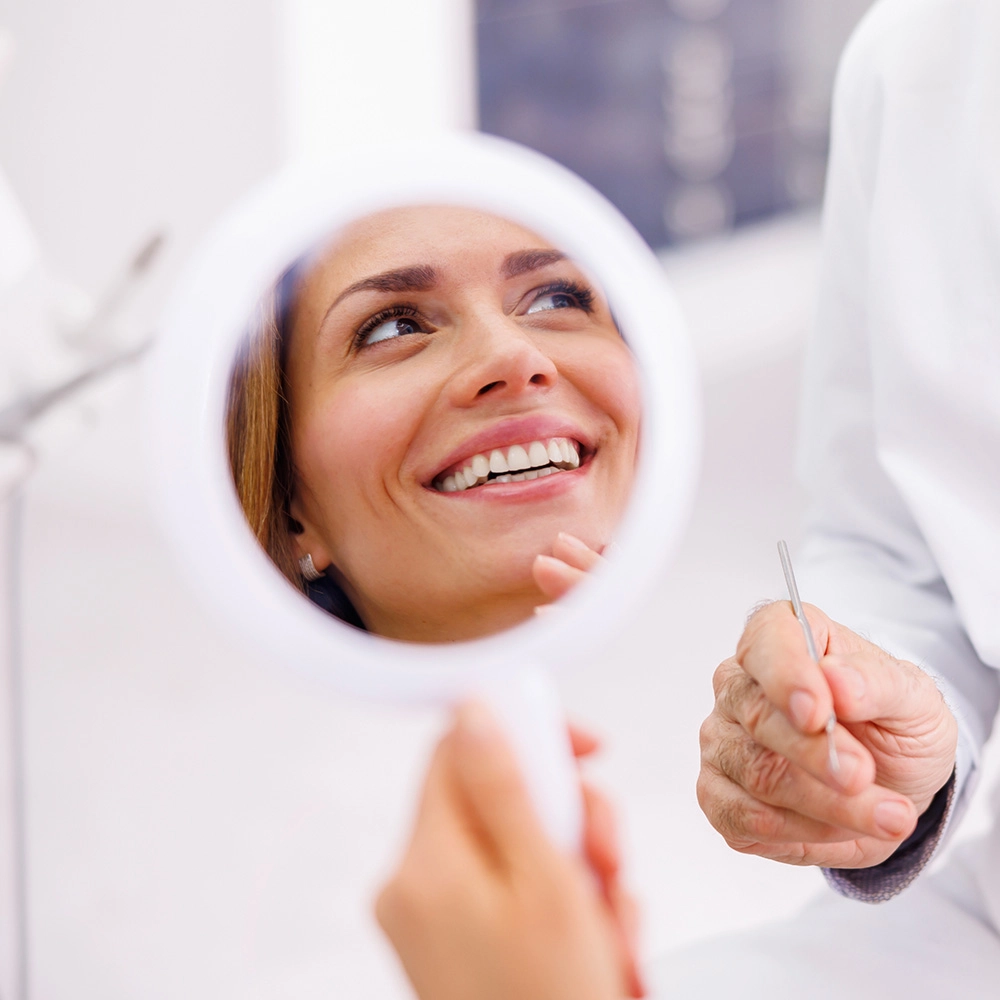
(308, 540)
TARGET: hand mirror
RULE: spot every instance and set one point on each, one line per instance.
(384, 387)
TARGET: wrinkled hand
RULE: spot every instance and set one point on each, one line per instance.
(484, 907)
(766, 784)
(570, 562)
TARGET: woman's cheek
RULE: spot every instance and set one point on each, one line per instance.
(611, 381)
(357, 438)
(627, 393)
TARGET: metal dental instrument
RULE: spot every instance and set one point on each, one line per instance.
(793, 594)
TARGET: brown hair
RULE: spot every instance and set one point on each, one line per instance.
(257, 436)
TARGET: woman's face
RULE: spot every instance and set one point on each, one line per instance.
(458, 395)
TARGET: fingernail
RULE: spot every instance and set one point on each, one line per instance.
(801, 705)
(544, 609)
(476, 722)
(892, 818)
(847, 768)
(573, 541)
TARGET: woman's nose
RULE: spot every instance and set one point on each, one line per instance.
(499, 358)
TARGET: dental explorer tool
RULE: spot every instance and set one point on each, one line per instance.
(793, 595)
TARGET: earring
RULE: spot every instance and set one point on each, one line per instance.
(308, 569)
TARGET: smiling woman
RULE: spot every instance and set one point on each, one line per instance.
(427, 412)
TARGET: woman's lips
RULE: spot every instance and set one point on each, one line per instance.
(516, 463)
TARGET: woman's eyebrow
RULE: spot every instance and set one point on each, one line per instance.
(418, 278)
(523, 261)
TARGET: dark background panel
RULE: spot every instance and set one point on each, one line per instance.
(678, 111)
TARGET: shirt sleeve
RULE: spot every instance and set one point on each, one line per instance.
(863, 558)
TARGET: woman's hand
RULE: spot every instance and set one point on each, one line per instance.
(484, 907)
(570, 562)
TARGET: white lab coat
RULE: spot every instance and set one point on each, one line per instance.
(900, 452)
(901, 417)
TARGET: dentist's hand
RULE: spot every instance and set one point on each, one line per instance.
(765, 782)
(570, 562)
(484, 907)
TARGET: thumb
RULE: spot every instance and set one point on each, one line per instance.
(494, 791)
(872, 686)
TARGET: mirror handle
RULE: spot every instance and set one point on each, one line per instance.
(527, 705)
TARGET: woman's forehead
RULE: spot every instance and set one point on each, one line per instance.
(439, 236)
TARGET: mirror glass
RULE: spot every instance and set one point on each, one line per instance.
(423, 402)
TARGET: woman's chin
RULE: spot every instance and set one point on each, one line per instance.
(464, 623)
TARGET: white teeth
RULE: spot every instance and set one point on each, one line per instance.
(538, 454)
(481, 466)
(570, 455)
(534, 459)
(517, 458)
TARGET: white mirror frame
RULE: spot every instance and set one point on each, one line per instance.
(189, 373)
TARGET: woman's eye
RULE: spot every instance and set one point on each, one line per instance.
(390, 328)
(553, 300)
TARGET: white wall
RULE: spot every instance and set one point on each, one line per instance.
(119, 118)
(375, 70)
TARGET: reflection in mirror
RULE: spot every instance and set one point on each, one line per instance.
(421, 408)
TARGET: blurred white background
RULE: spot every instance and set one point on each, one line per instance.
(205, 824)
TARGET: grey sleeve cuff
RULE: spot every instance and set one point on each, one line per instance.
(881, 882)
